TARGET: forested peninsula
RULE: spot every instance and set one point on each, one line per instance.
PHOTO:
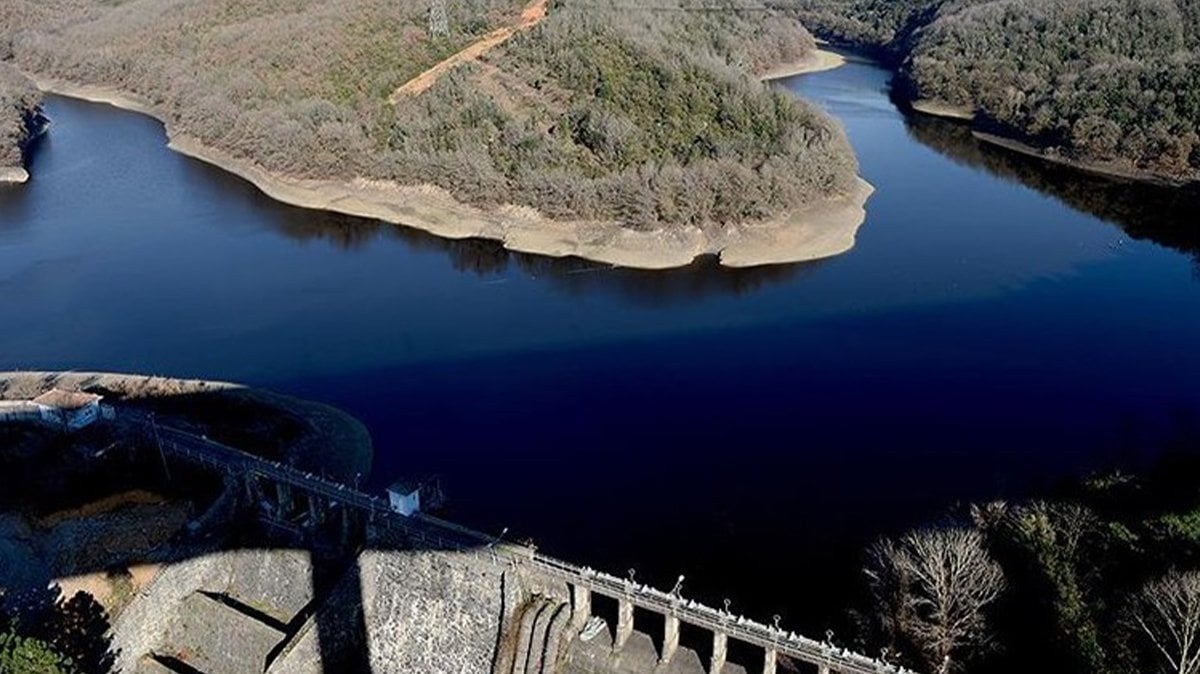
(20, 122)
(1107, 85)
(578, 127)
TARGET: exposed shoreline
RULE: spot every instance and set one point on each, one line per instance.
(819, 60)
(943, 110)
(1096, 168)
(1108, 170)
(818, 231)
(14, 175)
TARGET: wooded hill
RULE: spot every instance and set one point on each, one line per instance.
(649, 117)
(1115, 83)
(18, 110)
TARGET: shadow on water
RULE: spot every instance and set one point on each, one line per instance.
(1164, 215)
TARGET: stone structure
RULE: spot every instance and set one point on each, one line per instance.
(427, 595)
(69, 410)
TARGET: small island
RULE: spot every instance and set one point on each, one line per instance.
(640, 139)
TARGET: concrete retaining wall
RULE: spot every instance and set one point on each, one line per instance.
(436, 612)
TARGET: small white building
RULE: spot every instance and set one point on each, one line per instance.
(72, 410)
(405, 498)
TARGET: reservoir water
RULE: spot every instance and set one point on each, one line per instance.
(1001, 325)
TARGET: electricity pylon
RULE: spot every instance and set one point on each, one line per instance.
(439, 20)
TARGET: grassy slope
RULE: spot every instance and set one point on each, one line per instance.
(593, 114)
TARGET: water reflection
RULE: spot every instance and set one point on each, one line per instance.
(15, 203)
(485, 258)
(1167, 216)
(489, 259)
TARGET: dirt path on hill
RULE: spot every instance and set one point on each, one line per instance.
(531, 16)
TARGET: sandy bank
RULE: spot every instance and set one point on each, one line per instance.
(821, 230)
(943, 110)
(1106, 169)
(818, 60)
(13, 175)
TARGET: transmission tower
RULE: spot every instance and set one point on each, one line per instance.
(439, 20)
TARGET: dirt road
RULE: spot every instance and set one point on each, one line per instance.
(531, 16)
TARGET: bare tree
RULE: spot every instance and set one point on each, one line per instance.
(932, 587)
(1167, 612)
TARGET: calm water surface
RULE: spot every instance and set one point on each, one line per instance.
(999, 326)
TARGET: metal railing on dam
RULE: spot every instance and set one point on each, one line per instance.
(583, 581)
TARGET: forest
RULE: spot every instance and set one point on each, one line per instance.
(1096, 577)
(651, 118)
(1111, 83)
(19, 116)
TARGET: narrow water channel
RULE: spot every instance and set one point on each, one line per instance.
(1001, 325)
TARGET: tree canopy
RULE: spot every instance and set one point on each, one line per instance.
(1111, 82)
(650, 117)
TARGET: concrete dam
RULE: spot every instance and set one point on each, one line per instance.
(330, 579)
(434, 597)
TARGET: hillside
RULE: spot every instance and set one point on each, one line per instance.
(19, 121)
(1110, 84)
(643, 129)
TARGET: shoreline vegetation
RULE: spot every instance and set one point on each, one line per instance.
(1106, 169)
(1108, 87)
(823, 230)
(1065, 577)
(21, 122)
(628, 139)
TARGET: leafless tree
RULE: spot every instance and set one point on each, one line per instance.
(1167, 612)
(932, 587)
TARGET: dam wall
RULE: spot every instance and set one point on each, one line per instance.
(419, 611)
(289, 572)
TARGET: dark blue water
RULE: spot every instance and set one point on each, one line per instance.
(1000, 326)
